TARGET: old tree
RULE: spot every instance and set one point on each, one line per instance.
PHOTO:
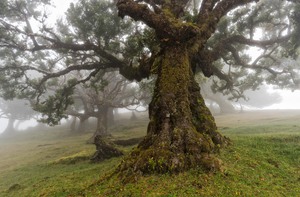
(172, 40)
(182, 132)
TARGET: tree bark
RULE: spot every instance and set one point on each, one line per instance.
(182, 132)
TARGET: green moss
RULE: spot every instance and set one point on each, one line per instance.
(72, 159)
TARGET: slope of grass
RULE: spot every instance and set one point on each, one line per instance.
(264, 160)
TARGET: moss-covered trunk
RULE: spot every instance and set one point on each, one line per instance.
(181, 132)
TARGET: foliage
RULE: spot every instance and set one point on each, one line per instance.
(56, 103)
(41, 57)
(92, 37)
(252, 28)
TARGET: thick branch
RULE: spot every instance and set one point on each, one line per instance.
(139, 12)
(173, 31)
(223, 76)
(212, 10)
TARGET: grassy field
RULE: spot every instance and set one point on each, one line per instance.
(264, 160)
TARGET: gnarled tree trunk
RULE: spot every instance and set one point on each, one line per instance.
(104, 148)
(182, 132)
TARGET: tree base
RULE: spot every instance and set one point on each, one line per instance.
(104, 150)
(191, 150)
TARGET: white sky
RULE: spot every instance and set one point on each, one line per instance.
(291, 100)
(62, 5)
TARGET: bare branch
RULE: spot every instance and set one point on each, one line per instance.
(240, 62)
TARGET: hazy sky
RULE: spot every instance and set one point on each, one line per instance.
(290, 100)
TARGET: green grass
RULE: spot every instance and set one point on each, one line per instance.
(264, 160)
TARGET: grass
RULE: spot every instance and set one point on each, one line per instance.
(264, 160)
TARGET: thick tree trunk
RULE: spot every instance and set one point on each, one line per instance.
(102, 122)
(133, 116)
(101, 126)
(104, 148)
(181, 132)
(10, 129)
(83, 121)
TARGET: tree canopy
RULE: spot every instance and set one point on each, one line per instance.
(93, 37)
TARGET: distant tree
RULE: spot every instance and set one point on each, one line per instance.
(15, 110)
(258, 98)
(215, 98)
(261, 98)
(109, 92)
(178, 38)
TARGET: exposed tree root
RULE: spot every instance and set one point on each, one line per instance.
(104, 150)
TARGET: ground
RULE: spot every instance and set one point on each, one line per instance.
(263, 161)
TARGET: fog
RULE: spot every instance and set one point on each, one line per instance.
(290, 100)
(22, 127)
